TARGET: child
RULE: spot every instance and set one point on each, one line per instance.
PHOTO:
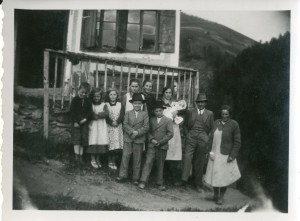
(136, 125)
(98, 133)
(81, 113)
(114, 121)
(134, 87)
(161, 131)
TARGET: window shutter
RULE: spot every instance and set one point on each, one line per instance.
(88, 31)
(166, 41)
(122, 30)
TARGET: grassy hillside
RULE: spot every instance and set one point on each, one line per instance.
(208, 46)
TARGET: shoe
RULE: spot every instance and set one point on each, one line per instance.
(111, 166)
(94, 164)
(162, 188)
(120, 179)
(135, 182)
(219, 202)
(142, 185)
(181, 184)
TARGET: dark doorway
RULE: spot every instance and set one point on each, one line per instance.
(36, 30)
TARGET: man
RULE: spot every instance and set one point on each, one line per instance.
(134, 86)
(197, 127)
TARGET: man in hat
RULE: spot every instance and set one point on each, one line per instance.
(136, 125)
(161, 131)
(198, 125)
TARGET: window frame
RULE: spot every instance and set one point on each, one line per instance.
(99, 46)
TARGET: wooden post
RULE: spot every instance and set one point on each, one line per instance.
(178, 85)
(136, 71)
(196, 85)
(105, 75)
(113, 75)
(172, 81)
(190, 89)
(63, 83)
(71, 85)
(55, 80)
(128, 80)
(143, 74)
(87, 71)
(157, 84)
(151, 73)
(184, 82)
(121, 79)
(166, 77)
(97, 75)
(46, 94)
(79, 82)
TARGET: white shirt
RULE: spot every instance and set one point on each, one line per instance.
(158, 119)
(136, 113)
(200, 111)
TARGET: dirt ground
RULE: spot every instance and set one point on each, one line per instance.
(54, 178)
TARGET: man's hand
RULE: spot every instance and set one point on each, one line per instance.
(76, 125)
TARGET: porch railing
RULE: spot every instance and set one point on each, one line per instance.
(104, 72)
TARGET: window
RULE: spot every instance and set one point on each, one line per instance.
(128, 31)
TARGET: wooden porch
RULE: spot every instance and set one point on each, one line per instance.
(105, 72)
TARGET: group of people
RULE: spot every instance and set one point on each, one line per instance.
(138, 122)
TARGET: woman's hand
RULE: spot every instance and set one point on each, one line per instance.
(76, 124)
(83, 121)
(114, 124)
(230, 159)
(174, 113)
(212, 156)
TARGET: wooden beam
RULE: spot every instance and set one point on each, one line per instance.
(113, 75)
(136, 71)
(184, 83)
(105, 75)
(157, 84)
(166, 77)
(151, 73)
(143, 74)
(97, 75)
(121, 79)
(55, 81)
(178, 85)
(190, 89)
(128, 79)
(46, 94)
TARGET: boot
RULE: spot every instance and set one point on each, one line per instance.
(221, 193)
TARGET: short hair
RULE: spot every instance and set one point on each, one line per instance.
(134, 80)
(146, 81)
(226, 107)
(108, 92)
(85, 85)
(96, 90)
(166, 88)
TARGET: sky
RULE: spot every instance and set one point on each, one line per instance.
(258, 25)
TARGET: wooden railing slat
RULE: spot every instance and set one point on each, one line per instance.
(46, 94)
(128, 79)
(55, 81)
(105, 75)
(157, 84)
(121, 78)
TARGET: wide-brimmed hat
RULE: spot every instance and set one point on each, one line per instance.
(159, 104)
(137, 97)
(201, 97)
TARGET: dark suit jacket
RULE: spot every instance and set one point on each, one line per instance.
(231, 137)
(190, 119)
(140, 124)
(161, 132)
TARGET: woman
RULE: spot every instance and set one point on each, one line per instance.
(174, 154)
(224, 145)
